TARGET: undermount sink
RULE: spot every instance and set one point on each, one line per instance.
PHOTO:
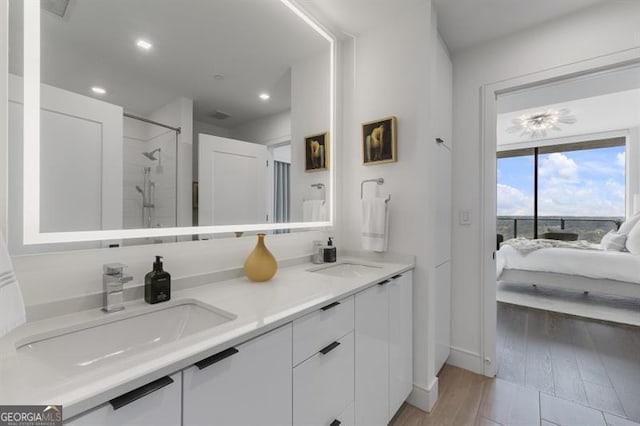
(131, 333)
(346, 270)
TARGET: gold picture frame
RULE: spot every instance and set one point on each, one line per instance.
(379, 143)
(316, 152)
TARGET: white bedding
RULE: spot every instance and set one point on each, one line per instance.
(599, 264)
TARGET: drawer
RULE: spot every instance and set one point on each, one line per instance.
(346, 418)
(323, 385)
(316, 330)
(155, 404)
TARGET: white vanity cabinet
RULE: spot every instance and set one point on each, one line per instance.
(154, 404)
(383, 351)
(323, 376)
(246, 385)
(346, 363)
(400, 340)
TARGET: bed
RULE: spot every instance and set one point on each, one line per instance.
(586, 269)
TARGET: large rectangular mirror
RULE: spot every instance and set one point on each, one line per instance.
(142, 121)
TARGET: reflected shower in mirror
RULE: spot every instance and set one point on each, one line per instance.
(170, 113)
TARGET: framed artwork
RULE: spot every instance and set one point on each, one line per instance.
(379, 141)
(316, 150)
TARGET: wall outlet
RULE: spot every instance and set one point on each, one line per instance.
(465, 217)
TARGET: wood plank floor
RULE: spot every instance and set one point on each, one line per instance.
(553, 369)
(593, 363)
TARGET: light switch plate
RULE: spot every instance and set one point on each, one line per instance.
(465, 217)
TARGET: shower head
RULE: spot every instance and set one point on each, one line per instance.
(151, 155)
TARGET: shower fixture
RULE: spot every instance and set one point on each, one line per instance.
(148, 198)
(152, 156)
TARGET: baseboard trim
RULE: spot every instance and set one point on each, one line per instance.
(468, 360)
(424, 399)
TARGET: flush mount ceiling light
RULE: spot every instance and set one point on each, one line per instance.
(98, 90)
(537, 124)
(264, 96)
(143, 44)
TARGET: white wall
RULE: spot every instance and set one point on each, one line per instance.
(70, 274)
(309, 116)
(601, 30)
(265, 130)
(387, 71)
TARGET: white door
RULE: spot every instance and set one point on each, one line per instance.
(247, 385)
(400, 340)
(80, 170)
(232, 181)
(154, 404)
(372, 356)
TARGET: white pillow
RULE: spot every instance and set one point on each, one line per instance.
(629, 224)
(633, 240)
(613, 241)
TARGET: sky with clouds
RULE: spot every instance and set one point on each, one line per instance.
(577, 183)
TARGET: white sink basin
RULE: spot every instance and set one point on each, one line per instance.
(346, 270)
(126, 334)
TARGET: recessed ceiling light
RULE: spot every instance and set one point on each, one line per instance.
(144, 44)
(98, 90)
(218, 77)
(264, 96)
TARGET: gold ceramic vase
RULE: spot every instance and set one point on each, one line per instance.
(260, 265)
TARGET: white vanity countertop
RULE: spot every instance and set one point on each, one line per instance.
(259, 307)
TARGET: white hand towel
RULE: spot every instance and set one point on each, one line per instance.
(314, 211)
(375, 224)
(12, 313)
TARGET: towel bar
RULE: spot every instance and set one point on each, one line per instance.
(321, 187)
(379, 181)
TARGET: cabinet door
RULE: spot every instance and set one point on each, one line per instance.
(372, 356)
(248, 387)
(323, 384)
(155, 404)
(400, 341)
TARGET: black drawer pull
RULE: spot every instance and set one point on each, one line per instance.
(329, 348)
(336, 422)
(395, 277)
(142, 391)
(216, 358)
(384, 282)
(329, 306)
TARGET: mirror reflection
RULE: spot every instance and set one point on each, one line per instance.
(164, 113)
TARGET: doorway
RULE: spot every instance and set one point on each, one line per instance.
(490, 94)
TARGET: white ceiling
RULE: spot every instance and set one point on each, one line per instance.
(465, 23)
(252, 43)
(356, 16)
(596, 114)
(462, 23)
(196, 39)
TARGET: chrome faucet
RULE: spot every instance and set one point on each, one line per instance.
(113, 279)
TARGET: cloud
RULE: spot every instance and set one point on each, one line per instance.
(591, 198)
(513, 202)
(557, 167)
(569, 185)
(621, 159)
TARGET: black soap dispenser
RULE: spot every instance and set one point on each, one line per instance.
(157, 284)
(330, 252)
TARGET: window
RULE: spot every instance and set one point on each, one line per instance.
(577, 188)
